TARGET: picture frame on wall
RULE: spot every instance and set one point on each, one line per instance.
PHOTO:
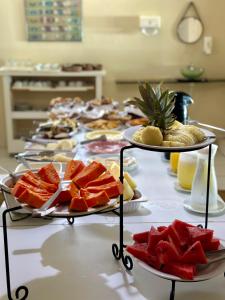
(53, 20)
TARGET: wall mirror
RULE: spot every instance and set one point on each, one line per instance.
(190, 28)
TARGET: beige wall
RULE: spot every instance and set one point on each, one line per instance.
(111, 37)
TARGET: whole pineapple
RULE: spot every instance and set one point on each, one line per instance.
(157, 105)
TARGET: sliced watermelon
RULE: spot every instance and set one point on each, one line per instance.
(112, 189)
(181, 229)
(153, 238)
(166, 252)
(49, 174)
(78, 204)
(161, 228)
(184, 271)
(73, 168)
(174, 237)
(105, 178)
(200, 234)
(141, 237)
(212, 245)
(194, 254)
(140, 251)
(89, 173)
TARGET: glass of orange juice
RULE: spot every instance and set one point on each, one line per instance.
(186, 169)
(174, 158)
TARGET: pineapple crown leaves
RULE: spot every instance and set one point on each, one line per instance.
(156, 104)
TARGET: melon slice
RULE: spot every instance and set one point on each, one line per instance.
(78, 204)
(200, 234)
(73, 168)
(34, 180)
(94, 199)
(166, 252)
(21, 186)
(128, 192)
(140, 251)
(89, 173)
(106, 177)
(141, 237)
(130, 180)
(194, 254)
(112, 189)
(184, 271)
(33, 199)
(49, 174)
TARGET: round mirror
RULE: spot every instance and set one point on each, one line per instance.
(190, 29)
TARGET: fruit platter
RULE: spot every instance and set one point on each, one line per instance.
(180, 252)
(79, 190)
(163, 131)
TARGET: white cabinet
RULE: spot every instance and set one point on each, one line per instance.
(28, 89)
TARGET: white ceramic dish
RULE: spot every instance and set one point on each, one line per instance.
(111, 135)
(219, 210)
(60, 211)
(205, 273)
(210, 138)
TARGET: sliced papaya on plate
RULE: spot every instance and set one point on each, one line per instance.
(105, 178)
(33, 199)
(34, 180)
(94, 199)
(74, 189)
(73, 168)
(49, 174)
(21, 186)
(112, 189)
(78, 204)
(64, 197)
(89, 173)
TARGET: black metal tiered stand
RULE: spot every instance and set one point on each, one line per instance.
(23, 290)
(118, 250)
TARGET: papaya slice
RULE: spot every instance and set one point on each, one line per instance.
(94, 199)
(89, 173)
(34, 180)
(33, 199)
(21, 186)
(78, 204)
(64, 197)
(106, 177)
(49, 174)
(112, 189)
(73, 168)
(74, 189)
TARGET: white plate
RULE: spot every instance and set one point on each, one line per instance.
(205, 273)
(220, 208)
(33, 147)
(112, 135)
(179, 188)
(131, 205)
(38, 137)
(210, 138)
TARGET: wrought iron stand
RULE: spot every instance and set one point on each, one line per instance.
(118, 251)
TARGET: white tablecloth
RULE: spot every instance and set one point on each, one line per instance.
(59, 261)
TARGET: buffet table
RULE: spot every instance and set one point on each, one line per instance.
(56, 260)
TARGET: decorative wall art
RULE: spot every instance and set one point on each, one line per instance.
(53, 20)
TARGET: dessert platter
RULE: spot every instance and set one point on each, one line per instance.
(102, 124)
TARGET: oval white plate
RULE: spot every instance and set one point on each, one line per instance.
(210, 138)
(220, 208)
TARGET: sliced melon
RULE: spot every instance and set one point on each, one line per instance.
(115, 170)
(128, 192)
(130, 180)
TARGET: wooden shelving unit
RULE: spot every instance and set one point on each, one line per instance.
(92, 83)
